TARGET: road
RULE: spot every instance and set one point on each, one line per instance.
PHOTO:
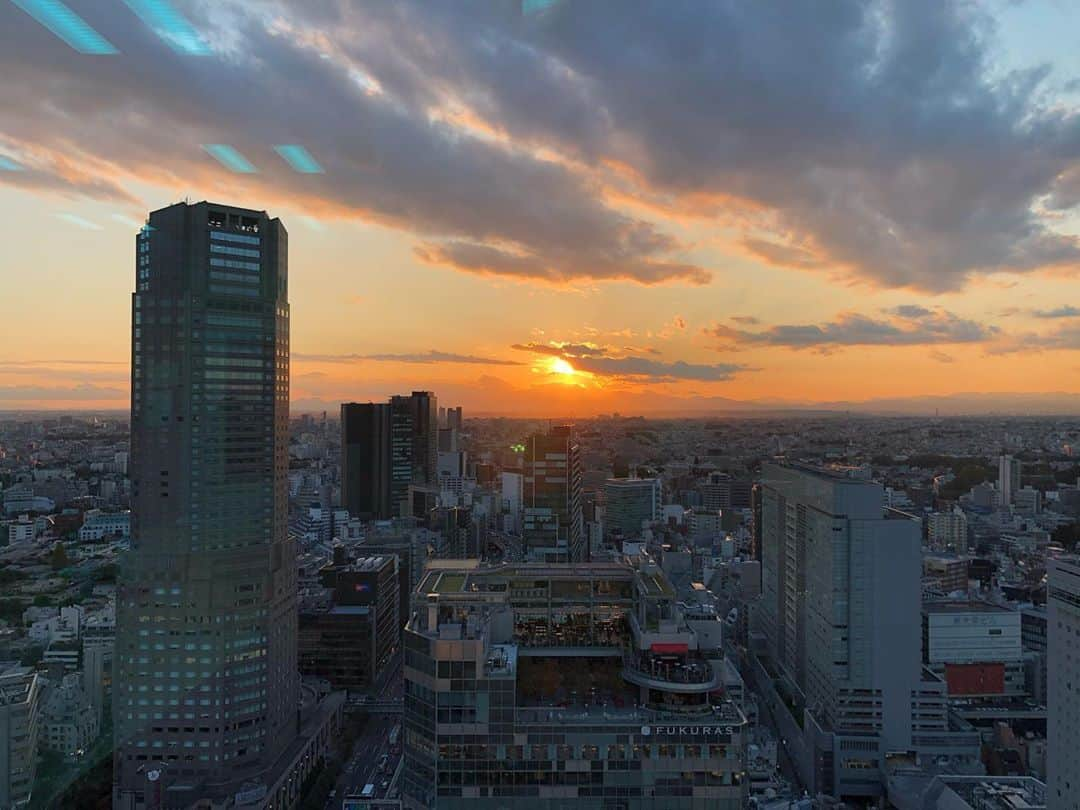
(365, 764)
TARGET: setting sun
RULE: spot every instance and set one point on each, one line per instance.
(560, 366)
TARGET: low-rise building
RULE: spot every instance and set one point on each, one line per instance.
(20, 699)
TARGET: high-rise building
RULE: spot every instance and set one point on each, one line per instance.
(1063, 683)
(206, 686)
(1008, 478)
(454, 418)
(424, 417)
(840, 612)
(629, 503)
(385, 449)
(566, 685)
(365, 460)
(553, 527)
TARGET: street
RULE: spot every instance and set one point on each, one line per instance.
(375, 757)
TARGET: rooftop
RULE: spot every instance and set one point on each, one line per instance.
(964, 606)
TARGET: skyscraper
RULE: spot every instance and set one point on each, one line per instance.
(1063, 669)
(365, 460)
(386, 448)
(1008, 478)
(553, 528)
(206, 684)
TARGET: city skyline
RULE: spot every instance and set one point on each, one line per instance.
(572, 261)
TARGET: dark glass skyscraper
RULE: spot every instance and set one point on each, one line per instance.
(553, 529)
(385, 448)
(365, 459)
(205, 665)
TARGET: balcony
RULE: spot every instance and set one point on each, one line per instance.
(685, 676)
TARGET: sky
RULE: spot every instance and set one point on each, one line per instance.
(581, 206)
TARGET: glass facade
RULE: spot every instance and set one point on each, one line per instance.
(206, 639)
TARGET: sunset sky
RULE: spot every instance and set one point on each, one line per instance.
(604, 205)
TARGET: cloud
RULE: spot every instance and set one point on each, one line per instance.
(603, 362)
(877, 140)
(1065, 311)
(431, 356)
(569, 350)
(648, 369)
(395, 155)
(746, 320)
(908, 325)
(941, 357)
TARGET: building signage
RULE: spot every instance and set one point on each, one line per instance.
(687, 731)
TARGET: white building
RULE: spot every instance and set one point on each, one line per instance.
(64, 626)
(97, 525)
(20, 698)
(975, 647)
(20, 530)
(1063, 683)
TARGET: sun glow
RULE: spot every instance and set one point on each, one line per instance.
(560, 366)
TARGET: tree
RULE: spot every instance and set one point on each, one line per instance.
(59, 558)
(1067, 535)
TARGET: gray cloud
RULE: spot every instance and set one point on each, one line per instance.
(908, 325)
(431, 356)
(1059, 312)
(568, 350)
(648, 369)
(597, 360)
(869, 137)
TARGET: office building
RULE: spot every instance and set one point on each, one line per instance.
(975, 647)
(1063, 683)
(420, 411)
(565, 685)
(1008, 479)
(721, 491)
(206, 684)
(840, 615)
(553, 528)
(385, 449)
(365, 460)
(630, 504)
(20, 699)
(349, 631)
(454, 418)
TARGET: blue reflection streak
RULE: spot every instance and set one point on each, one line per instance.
(9, 165)
(169, 24)
(229, 158)
(299, 158)
(67, 25)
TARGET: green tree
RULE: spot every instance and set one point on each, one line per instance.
(1067, 535)
(59, 558)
